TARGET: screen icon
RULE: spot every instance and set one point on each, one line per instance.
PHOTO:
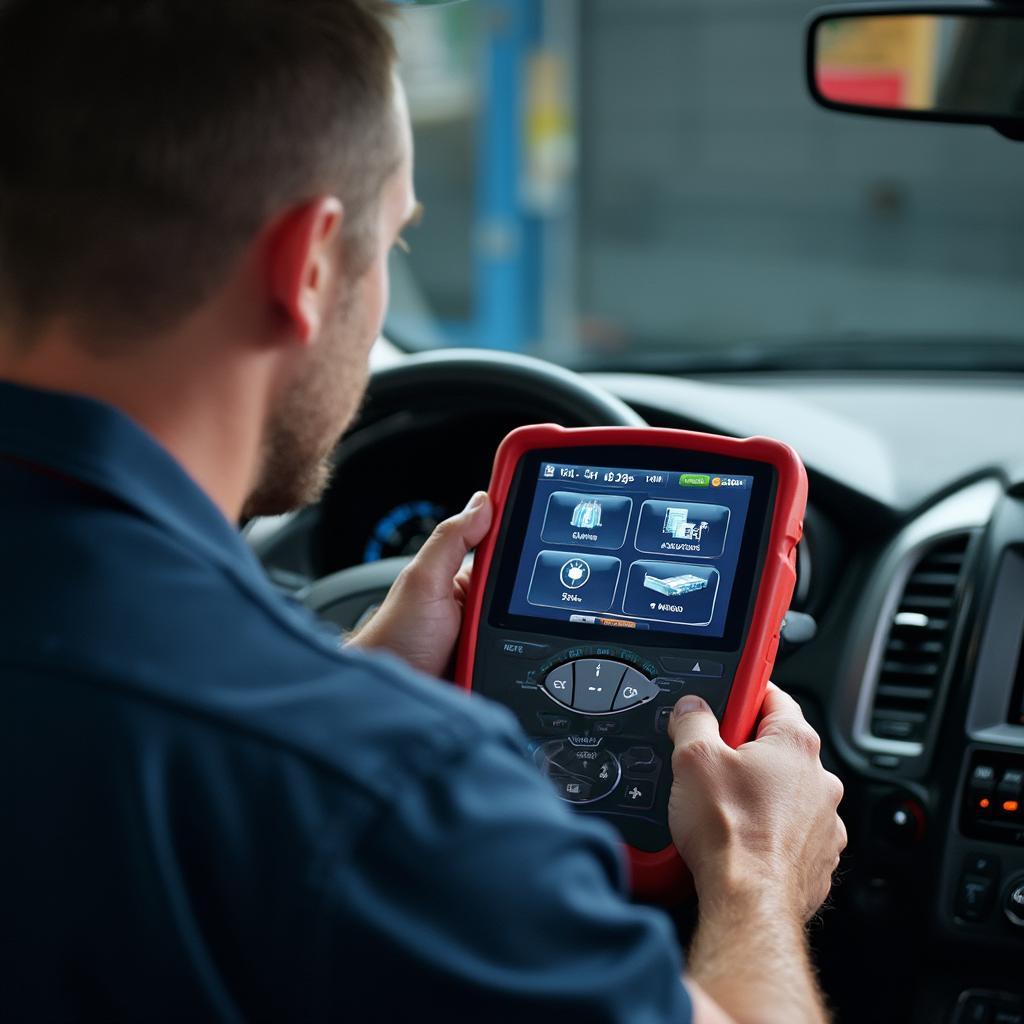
(675, 586)
(566, 579)
(685, 595)
(681, 527)
(586, 514)
(694, 479)
(574, 573)
(692, 529)
(587, 520)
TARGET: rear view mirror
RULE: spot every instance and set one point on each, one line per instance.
(937, 64)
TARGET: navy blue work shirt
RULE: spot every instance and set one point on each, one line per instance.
(210, 812)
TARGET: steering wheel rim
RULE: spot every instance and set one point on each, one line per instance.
(345, 597)
(500, 376)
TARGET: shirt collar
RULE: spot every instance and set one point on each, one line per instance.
(99, 446)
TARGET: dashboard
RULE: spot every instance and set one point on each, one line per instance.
(913, 568)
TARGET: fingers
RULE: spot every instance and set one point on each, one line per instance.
(781, 718)
(440, 559)
(778, 707)
(693, 727)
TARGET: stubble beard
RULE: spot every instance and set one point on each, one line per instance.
(309, 421)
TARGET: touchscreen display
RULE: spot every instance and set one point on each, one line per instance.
(644, 549)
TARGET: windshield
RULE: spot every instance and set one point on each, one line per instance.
(646, 183)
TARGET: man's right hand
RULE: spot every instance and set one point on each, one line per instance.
(762, 816)
(758, 828)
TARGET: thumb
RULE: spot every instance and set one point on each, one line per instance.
(693, 722)
(436, 565)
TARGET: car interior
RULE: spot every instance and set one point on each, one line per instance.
(747, 220)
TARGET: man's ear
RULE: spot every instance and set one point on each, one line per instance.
(303, 256)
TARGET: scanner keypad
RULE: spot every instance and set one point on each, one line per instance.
(599, 686)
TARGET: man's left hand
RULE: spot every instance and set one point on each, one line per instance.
(422, 614)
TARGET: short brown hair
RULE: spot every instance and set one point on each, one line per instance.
(143, 143)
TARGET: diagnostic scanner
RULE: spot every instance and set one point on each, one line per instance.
(625, 568)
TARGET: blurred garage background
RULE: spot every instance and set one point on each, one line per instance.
(647, 182)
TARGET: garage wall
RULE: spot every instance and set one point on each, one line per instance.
(716, 201)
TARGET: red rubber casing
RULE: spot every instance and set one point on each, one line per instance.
(662, 875)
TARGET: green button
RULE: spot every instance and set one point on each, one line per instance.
(695, 480)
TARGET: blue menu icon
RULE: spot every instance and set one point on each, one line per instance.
(691, 529)
(569, 579)
(587, 520)
(676, 592)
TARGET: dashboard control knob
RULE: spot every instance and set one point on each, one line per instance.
(1013, 902)
(901, 821)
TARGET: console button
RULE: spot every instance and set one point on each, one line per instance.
(693, 666)
(554, 722)
(1009, 793)
(974, 896)
(558, 682)
(661, 717)
(606, 727)
(981, 787)
(634, 688)
(575, 791)
(596, 684)
(639, 761)
(639, 794)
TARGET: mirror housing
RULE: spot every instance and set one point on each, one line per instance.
(922, 62)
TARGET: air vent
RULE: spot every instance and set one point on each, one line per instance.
(918, 643)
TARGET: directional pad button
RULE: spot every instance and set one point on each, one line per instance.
(597, 682)
(633, 688)
(558, 682)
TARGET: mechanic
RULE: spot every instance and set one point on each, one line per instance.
(211, 811)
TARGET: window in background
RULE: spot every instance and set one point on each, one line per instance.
(712, 210)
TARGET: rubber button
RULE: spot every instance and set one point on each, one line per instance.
(693, 666)
(574, 790)
(639, 793)
(634, 688)
(555, 723)
(596, 684)
(558, 682)
(639, 761)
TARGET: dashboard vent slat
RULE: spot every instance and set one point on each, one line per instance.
(917, 644)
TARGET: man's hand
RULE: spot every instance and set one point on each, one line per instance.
(758, 828)
(762, 816)
(421, 616)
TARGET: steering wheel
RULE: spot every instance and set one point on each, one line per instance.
(449, 379)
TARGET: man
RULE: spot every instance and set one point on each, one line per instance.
(211, 812)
